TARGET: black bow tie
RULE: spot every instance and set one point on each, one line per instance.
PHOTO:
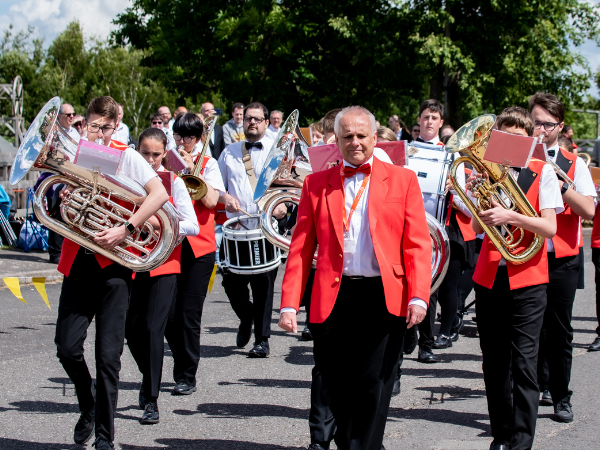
(258, 145)
(551, 153)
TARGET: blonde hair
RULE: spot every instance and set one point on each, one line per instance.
(385, 134)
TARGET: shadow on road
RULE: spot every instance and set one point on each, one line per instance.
(210, 444)
(245, 411)
(269, 383)
(445, 416)
(15, 444)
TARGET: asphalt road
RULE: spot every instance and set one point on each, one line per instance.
(255, 404)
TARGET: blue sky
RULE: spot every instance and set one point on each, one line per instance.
(50, 17)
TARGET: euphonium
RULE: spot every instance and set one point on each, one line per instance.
(287, 166)
(472, 139)
(196, 185)
(98, 201)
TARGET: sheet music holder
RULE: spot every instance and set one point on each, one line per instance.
(323, 157)
(509, 150)
(396, 150)
(96, 156)
(176, 162)
(166, 177)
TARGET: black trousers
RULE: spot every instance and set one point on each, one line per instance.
(427, 327)
(183, 330)
(556, 343)
(260, 309)
(358, 369)
(89, 292)
(448, 292)
(596, 261)
(151, 300)
(509, 324)
(466, 283)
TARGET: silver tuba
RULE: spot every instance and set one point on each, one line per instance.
(98, 201)
(285, 169)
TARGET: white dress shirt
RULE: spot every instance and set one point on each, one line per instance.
(171, 145)
(198, 149)
(235, 178)
(74, 134)
(272, 132)
(583, 185)
(134, 166)
(121, 134)
(188, 225)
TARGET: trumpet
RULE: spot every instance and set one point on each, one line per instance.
(472, 139)
(559, 172)
(196, 185)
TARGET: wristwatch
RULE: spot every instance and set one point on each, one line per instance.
(129, 227)
(565, 188)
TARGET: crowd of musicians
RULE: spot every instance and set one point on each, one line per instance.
(372, 270)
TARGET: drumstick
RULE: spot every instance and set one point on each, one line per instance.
(242, 211)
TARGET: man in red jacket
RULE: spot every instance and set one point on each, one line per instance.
(373, 273)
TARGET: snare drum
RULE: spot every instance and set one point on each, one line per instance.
(431, 164)
(245, 249)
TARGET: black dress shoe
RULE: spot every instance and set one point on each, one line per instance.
(183, 389)
(84, 429)
(260, 350)
(244, 334)
(426, 356)
(457, 327)
(307, 335)
(103, 444)
(498, 446)
(595, 346)
(563, 412)
(150, 415)
(142, 400)
(442, 342)
(316, 446)
(546, 399)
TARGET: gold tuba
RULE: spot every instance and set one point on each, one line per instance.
(98, 201)
(472, 139)
(286, 167)
(196, 185)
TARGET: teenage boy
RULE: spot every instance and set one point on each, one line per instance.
(96, 287)
(511, 299)
(563, 252)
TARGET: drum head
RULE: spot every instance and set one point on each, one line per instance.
(34, 140)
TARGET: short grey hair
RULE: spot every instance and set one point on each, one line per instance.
(354, 109)
(276, 111)
(62, 107)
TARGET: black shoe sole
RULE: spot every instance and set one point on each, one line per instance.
(428, 361)
(257, 355)
(149, 422)
(560, 419)
(86, 439)
(441, 347)
(590, 349)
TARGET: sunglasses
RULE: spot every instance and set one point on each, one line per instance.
(156, 123)
(69, 114)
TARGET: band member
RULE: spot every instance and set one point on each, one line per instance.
(383, 252)
(95, 287)
(511, 299)
(197, 260)
(595, 346)
(153, 292)
(563, 253)
(240, 174)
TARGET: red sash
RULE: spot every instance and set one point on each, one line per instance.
(531, 273)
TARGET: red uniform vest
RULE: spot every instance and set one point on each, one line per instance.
(596, 230)
(534, 271)
(70, 248)
(465, 222)
(566, 240)
(204, 243)
(220, 214)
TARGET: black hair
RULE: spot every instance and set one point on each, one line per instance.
(188, 124)
(237, 106)
(153, 133)
(156, 116)
(257, 105)
(434, 106)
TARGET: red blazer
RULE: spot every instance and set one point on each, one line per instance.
(398, 229)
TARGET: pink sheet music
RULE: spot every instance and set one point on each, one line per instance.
(323, 157)
(509, 149)
(91, 155)
(396, 150)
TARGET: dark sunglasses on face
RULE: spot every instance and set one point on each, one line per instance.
(156, 123)
(69, 114)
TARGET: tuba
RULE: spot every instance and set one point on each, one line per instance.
(98, 201)
(196, 185)
(285, 169)
(472, 139)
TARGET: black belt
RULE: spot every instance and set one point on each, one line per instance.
(358, 277)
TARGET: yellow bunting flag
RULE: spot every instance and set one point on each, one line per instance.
(40, 285)
(15, 288)
(212, 279)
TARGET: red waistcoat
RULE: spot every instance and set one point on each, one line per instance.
(465, 222)
(70, 248)
(566, 240)
(596, 230)
(204, 243)
(534, 271)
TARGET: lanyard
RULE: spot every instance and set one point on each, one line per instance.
(356, 199)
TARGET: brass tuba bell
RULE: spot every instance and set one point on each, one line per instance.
(97, 202)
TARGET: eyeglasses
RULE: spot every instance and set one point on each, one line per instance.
(186, 139)
(156, 123)
(548, 126)
(106, 130)
(68, 114)
(249, 119)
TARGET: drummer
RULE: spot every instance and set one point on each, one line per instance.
(240, 165)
